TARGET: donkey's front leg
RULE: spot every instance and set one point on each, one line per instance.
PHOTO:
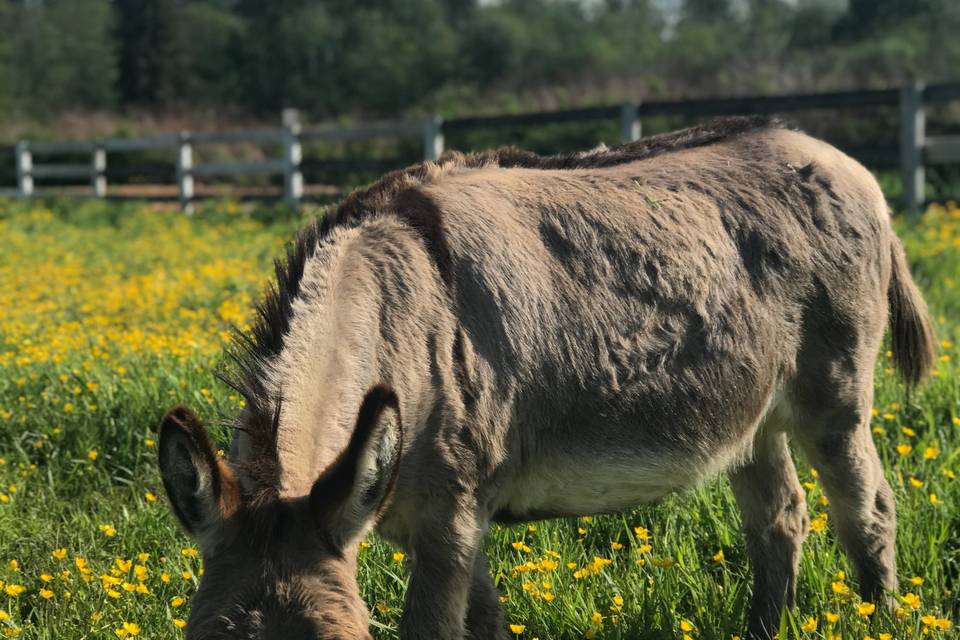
(485, 619)
(441, 576)
(775, 522)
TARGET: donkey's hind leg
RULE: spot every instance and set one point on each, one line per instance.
(836, 438)
(775, 524)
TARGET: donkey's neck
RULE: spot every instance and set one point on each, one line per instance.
(324, 365)
(342, 340)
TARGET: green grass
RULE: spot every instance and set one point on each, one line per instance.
(111, 313)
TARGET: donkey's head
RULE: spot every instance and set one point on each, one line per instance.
(280, 568)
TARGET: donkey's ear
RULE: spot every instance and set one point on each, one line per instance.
(200, 487)
(348, 496)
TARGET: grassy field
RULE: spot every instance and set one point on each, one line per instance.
(110, 313)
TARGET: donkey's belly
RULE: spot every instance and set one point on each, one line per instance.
(588, 484)
(561, 477)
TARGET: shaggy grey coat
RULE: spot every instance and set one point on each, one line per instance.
(505, 337)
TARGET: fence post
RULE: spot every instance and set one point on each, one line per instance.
(629, 123)
(292, 157)
(912, 134)
(433, 138)
(98, 168)
(185, 171)
(24, 169)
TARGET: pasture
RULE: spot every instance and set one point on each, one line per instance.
(111, 313)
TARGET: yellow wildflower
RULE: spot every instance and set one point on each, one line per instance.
(14, 590)
(912, 600)
(819, 524)
(547, 565)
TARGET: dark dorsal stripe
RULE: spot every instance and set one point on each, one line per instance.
(398, 194)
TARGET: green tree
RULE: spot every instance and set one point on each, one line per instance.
(145, 37)
(286, 53)
(395, 54)
(703, 48)
(203, 41)
(385, 58)
(7, 22)
(61, 55)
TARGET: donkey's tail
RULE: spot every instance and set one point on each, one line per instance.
(911, 331)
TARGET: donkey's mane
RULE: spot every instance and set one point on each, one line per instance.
(397, 194)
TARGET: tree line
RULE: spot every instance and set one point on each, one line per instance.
(376, 58)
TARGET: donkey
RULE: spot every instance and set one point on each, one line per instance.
(504, 337)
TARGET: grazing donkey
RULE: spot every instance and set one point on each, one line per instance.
(503, 337)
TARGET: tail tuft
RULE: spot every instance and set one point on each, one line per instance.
(911, 331)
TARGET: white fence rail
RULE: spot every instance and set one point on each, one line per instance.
(916, 150)
(290, 138)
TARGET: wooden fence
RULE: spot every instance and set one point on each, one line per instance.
(916, 150)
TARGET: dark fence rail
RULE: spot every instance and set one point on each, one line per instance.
(86, 162)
